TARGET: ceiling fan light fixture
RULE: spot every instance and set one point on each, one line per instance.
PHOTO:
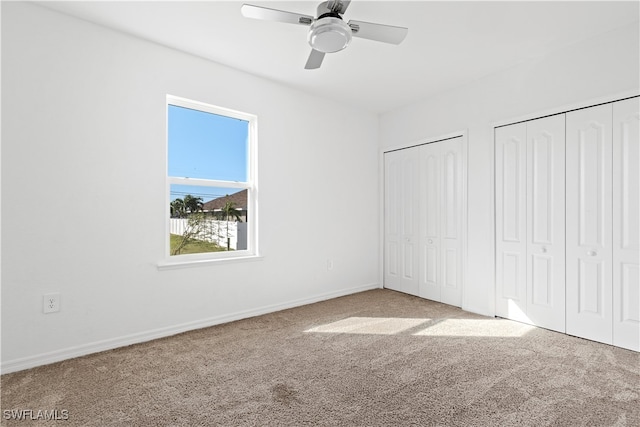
(329, 35)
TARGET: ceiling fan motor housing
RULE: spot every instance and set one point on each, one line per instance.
(329, 33)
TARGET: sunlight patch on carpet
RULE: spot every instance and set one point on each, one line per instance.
(370, 325)
(475, 328)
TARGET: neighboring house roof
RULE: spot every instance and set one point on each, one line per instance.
(239, 200)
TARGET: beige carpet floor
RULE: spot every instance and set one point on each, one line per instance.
(370, 359)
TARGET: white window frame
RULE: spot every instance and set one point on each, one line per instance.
(251, 253)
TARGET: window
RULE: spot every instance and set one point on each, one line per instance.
(211, 187)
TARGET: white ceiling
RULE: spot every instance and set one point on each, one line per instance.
(449, 43)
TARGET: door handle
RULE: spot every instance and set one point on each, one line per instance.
(544, 249)
(430, 241)
(592, 253)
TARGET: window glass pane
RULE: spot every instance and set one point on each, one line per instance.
(207, 146)
(207, 219)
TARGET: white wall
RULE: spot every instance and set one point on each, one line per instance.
(83, 134)
(597, 68)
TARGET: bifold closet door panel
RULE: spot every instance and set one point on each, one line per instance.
(511, 221)
(589, 223)
(546, 222)
(430, 233)
(451, 220)
(401, 175)
(392, 193)
(441, 213)
(626, 227)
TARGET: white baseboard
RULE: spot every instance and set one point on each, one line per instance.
(109, 344)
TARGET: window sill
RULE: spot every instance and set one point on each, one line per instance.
(171, 265)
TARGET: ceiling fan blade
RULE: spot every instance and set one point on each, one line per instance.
(259, 12)
(378, 32)
(315, 60)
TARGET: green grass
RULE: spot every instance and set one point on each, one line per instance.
(194, 246)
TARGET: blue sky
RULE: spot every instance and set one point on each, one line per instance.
(208, 146)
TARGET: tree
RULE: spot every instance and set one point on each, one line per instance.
(193, 204)
(229, 212)
(196, 225)
(178, 209)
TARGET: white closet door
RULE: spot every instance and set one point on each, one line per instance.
(430, 233)
(441, 212)
(392, 193)
(626, 228)
(401, 175)
(588, 223)
(424, 220)
(545, 222)
(451, 220)
(511, 221)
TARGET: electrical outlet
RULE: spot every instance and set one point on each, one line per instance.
(51, 303)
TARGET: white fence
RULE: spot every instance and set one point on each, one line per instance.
(214, 231)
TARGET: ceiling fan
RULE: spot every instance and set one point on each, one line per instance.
(328, 32)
